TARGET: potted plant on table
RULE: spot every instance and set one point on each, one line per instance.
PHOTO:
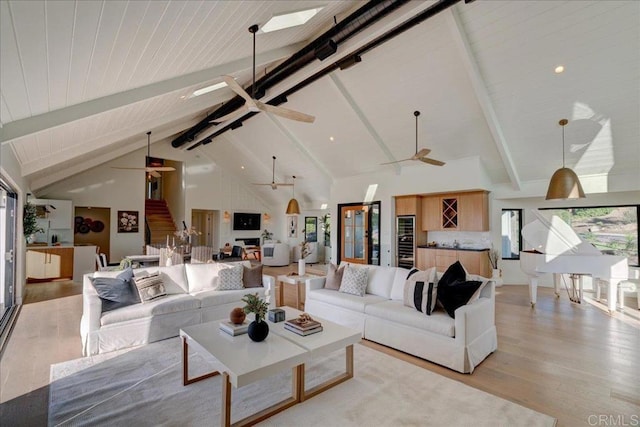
(266, 236)
(305, 251)
(494, 256)
(258, 329)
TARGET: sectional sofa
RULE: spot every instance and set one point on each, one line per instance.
(459, 344)
(191, 298)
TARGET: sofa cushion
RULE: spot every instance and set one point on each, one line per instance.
(116, 292)
(380, 280)
(395, 311)
(334, 277)
(166, 305)
(230, 278)
(150, 287)
(457, 294)
(420, 290)
(455, 272)
(397, 289)
(354, 280)
(201, 277)
(341, 299)
(252, 276)
(173, 277)
(213, 298)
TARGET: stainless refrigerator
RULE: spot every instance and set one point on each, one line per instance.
(405, 241)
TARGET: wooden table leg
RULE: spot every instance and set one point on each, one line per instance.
(225, 410)
(333, 381)
(185, 367)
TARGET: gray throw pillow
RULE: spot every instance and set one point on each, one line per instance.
(252, 276)
(334, 277)
(354, 280)
(116, 292)
(230, 278)
(150, 287)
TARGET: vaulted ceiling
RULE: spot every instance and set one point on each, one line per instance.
(84, 80)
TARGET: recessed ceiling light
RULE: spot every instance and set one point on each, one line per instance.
(183, 97)
(323, 206)
(209, 89)
(288, 20)
(559, 69)
(241, 167)
(331, 138)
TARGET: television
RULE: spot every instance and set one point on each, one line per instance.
(246, 221)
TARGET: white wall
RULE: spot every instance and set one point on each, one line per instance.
(462, 174)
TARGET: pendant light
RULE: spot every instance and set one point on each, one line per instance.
(564, 183)
(292, 207)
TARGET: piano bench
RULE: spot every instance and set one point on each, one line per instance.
(629, 285)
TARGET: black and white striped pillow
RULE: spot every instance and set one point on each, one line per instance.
(421, 290)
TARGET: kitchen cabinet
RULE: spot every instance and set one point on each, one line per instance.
(55, 214)
(49, 263)
(465, 211)
(474, 261)
(408, 205)
(473, 211)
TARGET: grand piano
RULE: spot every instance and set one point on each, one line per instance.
(558, 249)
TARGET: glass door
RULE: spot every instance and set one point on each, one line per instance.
(8, 204)
(355, 228)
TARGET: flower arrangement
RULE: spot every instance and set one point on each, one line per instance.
(267, 235)
(256, 305)
(29, 222)
(493, 257)
(305, 249)
(186, 233)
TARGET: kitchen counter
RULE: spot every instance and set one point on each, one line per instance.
(452, 248)
(49, 246)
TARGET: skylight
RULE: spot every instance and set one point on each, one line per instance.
(288, 20)
(209, 89)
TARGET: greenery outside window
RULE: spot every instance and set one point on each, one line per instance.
(311, 228)
(611, 229)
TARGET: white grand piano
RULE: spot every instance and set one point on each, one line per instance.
(558, 249)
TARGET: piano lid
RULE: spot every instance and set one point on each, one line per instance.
(554, 236)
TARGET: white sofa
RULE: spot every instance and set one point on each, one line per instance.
(192, 299)
(275, 254)
(459, 344)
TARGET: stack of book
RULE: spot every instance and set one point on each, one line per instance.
(303, 327)
(234, 329)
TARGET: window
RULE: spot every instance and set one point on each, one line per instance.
(511, 238)
(611, 229)
(311, 228)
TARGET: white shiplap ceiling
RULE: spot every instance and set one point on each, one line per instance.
(85, 80)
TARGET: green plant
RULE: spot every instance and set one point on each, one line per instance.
(255, 305)
(29, 222)
(326, 225)
(267, 235)
(305, 249)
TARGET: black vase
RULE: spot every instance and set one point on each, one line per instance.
(258, 330)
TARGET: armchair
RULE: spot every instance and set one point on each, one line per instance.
(275, 254)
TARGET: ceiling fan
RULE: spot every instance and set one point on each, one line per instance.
(274, 185)
(419, 155)
(153, 167)
(253, 105)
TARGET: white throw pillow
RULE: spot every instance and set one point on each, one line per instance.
(354, 280)
(397, 290)
(230, 278)
(202, 277)
(421, 290)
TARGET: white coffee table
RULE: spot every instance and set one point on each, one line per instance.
(280, 351)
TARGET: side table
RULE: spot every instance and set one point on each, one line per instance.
(292, 290)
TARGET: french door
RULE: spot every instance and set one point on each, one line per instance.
(355, 234)
(8, 215)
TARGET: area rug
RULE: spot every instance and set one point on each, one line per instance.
(143, 386)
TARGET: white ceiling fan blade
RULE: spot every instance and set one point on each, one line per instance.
(397, 161)
(122, 167)
(431, 161)
(155, 174)
(232, 115)
(235, 86)
(286, 113)
(422, 153)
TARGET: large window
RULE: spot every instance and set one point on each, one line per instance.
(611, 229)
(511, 243)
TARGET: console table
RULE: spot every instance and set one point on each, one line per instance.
(291, 290)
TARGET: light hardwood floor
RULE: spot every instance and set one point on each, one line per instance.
(571, 361)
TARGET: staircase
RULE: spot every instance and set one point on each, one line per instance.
(159, 221)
